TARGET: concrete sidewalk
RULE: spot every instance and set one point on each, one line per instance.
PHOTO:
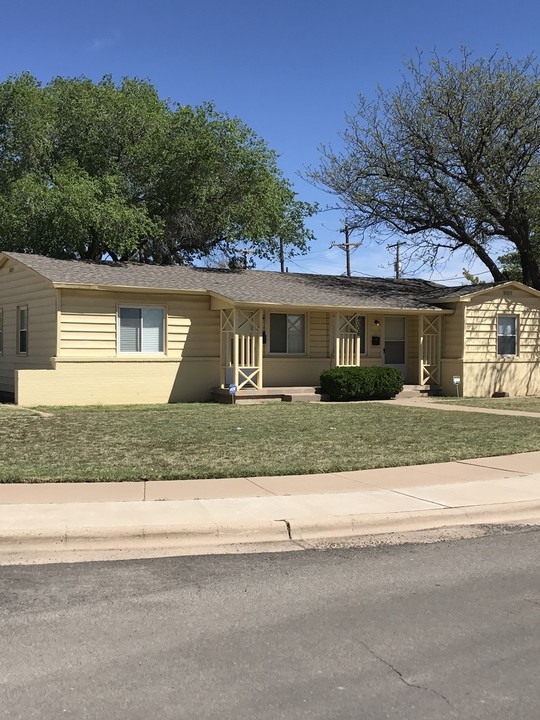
(217, 513)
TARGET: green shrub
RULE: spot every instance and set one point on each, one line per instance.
(361, 383)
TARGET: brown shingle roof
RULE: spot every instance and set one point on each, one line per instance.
(243, 286)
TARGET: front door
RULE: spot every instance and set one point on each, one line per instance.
(394, 343)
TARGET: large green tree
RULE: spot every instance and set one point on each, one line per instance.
(449, 159)
(103, 169)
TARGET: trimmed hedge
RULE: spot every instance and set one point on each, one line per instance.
(361, 383)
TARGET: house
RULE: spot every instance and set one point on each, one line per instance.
(74, 332)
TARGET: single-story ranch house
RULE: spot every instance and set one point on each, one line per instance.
(75, 332)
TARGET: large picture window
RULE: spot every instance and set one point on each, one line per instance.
(507, 335)
(140, 330)
(287, 334)
(22, 330)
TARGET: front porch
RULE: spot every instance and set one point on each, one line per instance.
(309, 394)
(409, 342)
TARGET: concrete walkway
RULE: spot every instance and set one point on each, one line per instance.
(434, 405)
(291, 509)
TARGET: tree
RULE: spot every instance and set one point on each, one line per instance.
(449, 159)
(89, 170)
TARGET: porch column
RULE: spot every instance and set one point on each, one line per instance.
(430, 350)
(337, 340)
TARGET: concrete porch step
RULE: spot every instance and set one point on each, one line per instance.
(415, 391)
(304, 397)
(309, 393)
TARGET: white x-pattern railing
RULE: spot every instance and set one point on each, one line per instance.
(430, 350)
(241, 347)
(348, 342)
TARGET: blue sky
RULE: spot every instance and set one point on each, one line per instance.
(289, 69)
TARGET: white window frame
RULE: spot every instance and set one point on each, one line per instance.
(515, 336)
(286, 352)
(22, 330)
(141, 308)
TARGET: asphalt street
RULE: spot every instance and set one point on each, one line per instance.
(414, 632)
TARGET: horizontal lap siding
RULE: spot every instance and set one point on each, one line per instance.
(484, 372)
(21, 286)
(452, 334)
(89, 323)
(319, 342)
(481, 325)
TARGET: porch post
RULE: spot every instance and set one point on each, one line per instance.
(260, 349)
(337, 339)
(421, 350)
(236, 346)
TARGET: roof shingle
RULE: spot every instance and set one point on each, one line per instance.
(244, 286)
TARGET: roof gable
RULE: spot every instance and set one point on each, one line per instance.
(465, 293)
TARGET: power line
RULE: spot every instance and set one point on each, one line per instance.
(347, 245)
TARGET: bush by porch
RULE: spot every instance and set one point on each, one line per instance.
(361, 383)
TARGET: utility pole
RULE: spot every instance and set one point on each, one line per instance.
(281, 255)
(397, 264)
(347, 245)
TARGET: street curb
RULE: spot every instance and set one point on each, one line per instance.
(279, 531)
(525, 512)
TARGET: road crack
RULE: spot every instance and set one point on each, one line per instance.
(401, 676)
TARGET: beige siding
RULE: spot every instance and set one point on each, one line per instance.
(88, 323)
(481, 324)
(511, 375)
(20, 286)
(373, 352)
(484, 371)
(452, 334)
(412, 339)
(450, 368)
(118, 383)
(470, 345)
(319, 341)
(283, 371)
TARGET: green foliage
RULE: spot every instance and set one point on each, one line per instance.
(450, 159)
(91, 169)
(361, 383)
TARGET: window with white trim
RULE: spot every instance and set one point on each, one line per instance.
(287, 334)
(22, 330)
(507, 335)
(140, 330)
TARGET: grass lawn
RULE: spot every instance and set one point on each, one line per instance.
(531, 404)
(205, 440)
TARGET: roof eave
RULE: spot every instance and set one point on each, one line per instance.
(127, 288)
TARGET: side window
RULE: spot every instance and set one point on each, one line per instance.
(140, 330)
(507, 335)
(22, 330)
(287, 334)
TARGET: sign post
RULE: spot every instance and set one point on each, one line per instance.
(457, 381)
(232, 392)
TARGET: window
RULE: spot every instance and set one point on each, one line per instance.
(507, 337)
(22, 330)
(287, 334)
(361, 332)
(141, 330)
(1, 331)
